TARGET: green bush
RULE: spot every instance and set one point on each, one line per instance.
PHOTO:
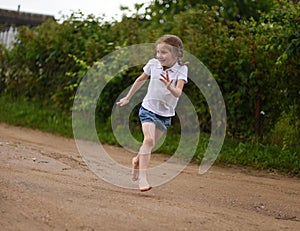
(254, 59)
(286, 131)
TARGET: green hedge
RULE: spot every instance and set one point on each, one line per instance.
(254, 60)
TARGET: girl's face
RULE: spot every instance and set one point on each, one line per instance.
(165, 55)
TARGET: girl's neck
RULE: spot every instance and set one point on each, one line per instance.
(167, 67)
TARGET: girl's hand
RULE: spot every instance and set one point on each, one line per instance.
(166, 79)
(123, 101)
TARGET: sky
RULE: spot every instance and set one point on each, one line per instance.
(57, 8)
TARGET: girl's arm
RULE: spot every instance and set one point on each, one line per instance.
(177, 90)
(138, 83)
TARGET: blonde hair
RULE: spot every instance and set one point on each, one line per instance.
(176, 43)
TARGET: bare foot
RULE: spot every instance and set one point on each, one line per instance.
(146, 189)
(144, 185)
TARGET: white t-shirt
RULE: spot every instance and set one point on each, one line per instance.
(158, 98)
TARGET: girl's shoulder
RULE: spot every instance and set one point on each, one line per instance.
(180, 67)
(154, 62)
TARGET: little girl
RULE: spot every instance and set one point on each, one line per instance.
(167, 79)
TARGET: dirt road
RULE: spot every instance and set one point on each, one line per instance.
(45, 185)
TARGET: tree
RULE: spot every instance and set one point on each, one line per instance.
(245, 9)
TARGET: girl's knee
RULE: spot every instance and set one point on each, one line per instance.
(147, 146)
(149, 141)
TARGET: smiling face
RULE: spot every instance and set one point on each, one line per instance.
(166, 55)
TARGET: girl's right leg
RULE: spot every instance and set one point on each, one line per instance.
(151, 137)
(148, 129)
(135, 160)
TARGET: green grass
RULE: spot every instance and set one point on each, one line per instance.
(33, 115)
(258, 156)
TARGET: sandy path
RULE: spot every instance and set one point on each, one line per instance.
(45, 185)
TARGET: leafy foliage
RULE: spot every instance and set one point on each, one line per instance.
(251, 47)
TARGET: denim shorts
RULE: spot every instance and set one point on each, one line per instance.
(161, 122)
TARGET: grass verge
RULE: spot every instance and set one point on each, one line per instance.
(266, 157)
(23, 113)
